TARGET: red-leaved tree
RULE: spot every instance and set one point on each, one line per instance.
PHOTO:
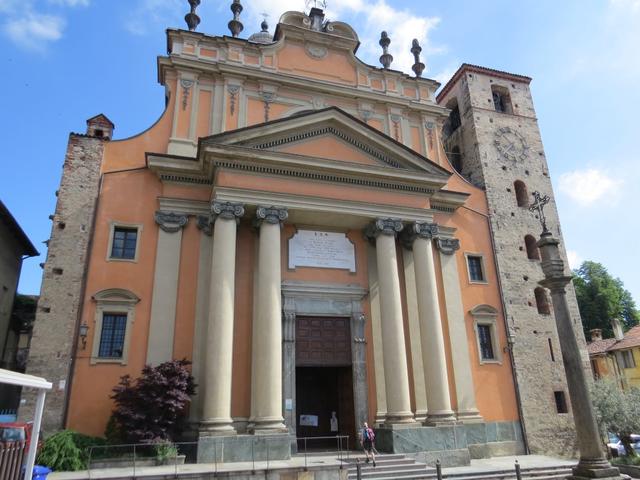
(153, 407)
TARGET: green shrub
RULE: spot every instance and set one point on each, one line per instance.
(67, 450)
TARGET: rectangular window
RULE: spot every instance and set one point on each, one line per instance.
(124, 243)
(561, 402)
(486, 342)
(476, 269)
(114, 326)
(627, 359)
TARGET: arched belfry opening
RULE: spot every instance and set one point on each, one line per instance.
(532, 247)
(522, 194)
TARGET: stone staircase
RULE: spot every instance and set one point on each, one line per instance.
(399, 466)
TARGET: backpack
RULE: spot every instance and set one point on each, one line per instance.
(369, 435)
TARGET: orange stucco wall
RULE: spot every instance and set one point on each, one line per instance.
(130, 194)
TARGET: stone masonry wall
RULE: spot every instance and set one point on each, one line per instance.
(54, 334)
(539, 372)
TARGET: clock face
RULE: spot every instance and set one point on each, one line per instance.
(511, 144)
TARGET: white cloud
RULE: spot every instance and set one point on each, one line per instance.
(33, 31)
(151, 13)
(633, 5)
(574, 259)
(368, 19)
(586, 187)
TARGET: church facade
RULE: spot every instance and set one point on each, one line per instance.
(321, 238)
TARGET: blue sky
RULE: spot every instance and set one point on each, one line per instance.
(64, 61)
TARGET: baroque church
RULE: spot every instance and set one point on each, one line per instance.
(319, 237)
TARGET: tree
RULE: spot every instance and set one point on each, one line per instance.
(152, 408)
(602, 298)
(617, 411)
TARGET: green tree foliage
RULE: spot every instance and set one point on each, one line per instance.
(152, 408)
(602, 298)
(617, 411)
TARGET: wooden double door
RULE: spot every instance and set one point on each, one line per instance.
(324, 379)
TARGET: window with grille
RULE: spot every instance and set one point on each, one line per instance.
(124, 243)
(476, 269)
(114, 327)
(486, 342)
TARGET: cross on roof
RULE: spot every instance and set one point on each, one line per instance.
(317, 3)
(538, 205)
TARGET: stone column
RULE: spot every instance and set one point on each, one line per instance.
(465, 393)
(396, 376)
(266, 362)
(431, 335)
(165, 287)
(218, 362)
(593, 463)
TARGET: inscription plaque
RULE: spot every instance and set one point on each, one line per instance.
(312, 248)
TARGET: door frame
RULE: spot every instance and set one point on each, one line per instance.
(311, 299)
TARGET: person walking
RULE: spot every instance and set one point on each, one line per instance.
(368, 441)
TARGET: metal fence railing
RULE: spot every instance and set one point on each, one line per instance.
(264, 451)
(11, 457)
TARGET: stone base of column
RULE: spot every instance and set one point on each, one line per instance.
(469, 416)
(399, 418)
(420, 416)
(216, 426)
(596, 468)
(439, 418)
(267, 426)
(380, 418)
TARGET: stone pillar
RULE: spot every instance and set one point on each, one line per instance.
(218, 362)
(593, 463)
(165, 287)
(289, 363)
(359, 362)
(396, 376)
(266, 362)
(376, 334)
(465, 392)
(431, 335)
(417, 368)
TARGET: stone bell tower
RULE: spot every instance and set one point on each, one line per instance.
(492, 139)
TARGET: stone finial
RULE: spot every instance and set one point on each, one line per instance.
(235, 25)
(192, 18)
(386, 58)
(418, 66)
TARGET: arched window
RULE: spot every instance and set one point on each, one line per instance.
(453, 122)
(532, 248)
(456, 159)
(542, 302)
(522, 195)
(501, 99)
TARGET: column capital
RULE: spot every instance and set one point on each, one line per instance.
(228, 210)
(384, 226)
(204, 224)
(271, 215)
(447, 246)
(419, 230)
(171, 222)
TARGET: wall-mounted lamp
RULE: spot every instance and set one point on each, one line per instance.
(84, 329)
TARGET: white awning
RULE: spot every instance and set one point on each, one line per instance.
(24, 380)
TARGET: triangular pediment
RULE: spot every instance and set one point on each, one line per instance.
(330, 134)
(327, 145)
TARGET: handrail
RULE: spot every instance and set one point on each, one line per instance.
(134, 448)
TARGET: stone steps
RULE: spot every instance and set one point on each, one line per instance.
(397, 466)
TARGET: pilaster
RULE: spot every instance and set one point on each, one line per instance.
(165, 287)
